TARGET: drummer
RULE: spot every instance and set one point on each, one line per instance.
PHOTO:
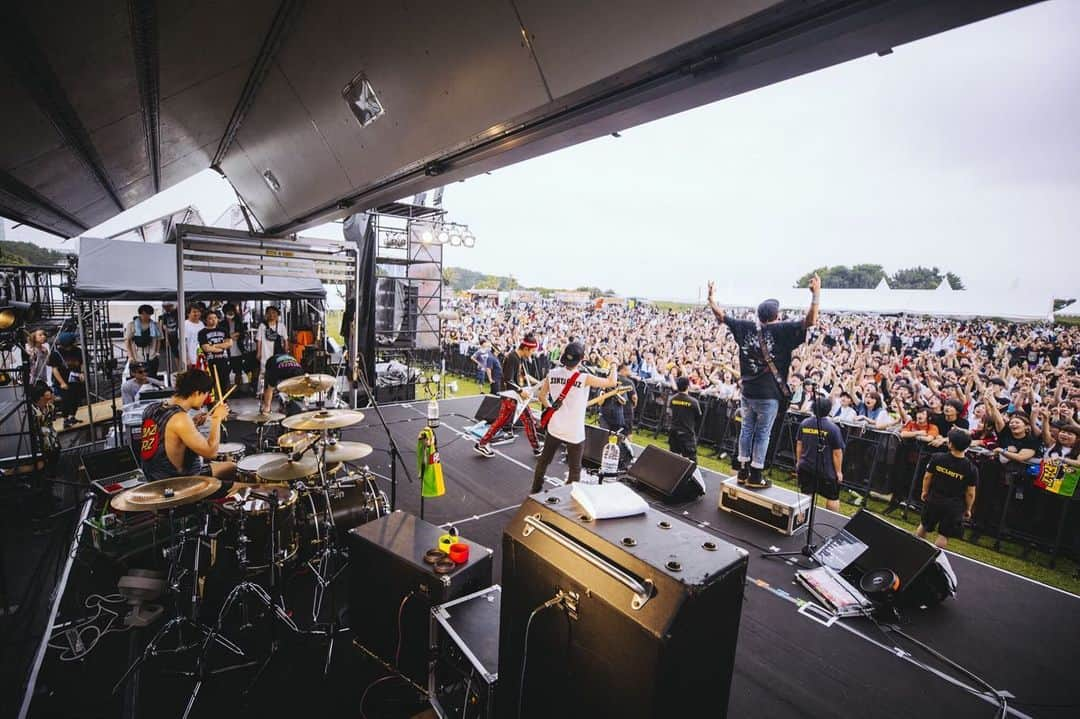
(171, 443)
(279, 367)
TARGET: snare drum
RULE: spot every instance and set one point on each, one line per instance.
(230, 452)
(247, 469)
(254, 523)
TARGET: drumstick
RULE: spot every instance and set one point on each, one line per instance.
(217, 381)
(223, 398)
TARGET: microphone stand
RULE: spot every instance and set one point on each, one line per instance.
(809, 548)
(395, 453)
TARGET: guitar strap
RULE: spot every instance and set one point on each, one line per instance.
(558, 402)
(785, 391)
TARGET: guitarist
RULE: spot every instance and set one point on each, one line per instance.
(565, 394)
(514, 380)
(764, 358)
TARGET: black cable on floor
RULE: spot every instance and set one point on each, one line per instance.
(525, 645)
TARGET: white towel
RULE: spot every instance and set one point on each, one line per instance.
(608, 501)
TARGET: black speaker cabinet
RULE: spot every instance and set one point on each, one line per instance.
(647, 622)
(488, 411)
(666, 473)
(386, 565)
(924, 571)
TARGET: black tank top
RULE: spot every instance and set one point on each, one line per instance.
(155, 462)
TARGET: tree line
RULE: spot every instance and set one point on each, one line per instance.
(867, 277)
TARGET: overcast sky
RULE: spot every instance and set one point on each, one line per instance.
(959, 151)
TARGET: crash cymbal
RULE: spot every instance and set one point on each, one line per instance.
(324, 419)
(261, 417)
(284, 470)
(165, 494)
(289, 440)
(306, 385)
(345, 451)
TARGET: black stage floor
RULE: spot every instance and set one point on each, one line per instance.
(1018, 635)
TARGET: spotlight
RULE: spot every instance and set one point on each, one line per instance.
(427, 237)
(468, 240)
(363, 103)
(444, 237)
(455, 240)
(15, 314)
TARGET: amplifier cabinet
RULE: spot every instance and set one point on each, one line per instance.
(465, 655)
(647, 625)
(386, 565)
(775, 507)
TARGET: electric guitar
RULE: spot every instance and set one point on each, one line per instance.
(522, 402)
(617, 392)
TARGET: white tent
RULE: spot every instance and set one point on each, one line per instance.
(940, 302)
(1070, 310)
(118, 270)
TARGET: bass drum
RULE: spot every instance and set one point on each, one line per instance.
(352, 506)
(255, 528)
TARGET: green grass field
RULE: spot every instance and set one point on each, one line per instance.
(1009, 558)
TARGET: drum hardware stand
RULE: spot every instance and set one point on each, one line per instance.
(210, 634)
(273, 600)
(395, 453)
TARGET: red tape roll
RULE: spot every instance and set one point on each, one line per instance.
(459, 552)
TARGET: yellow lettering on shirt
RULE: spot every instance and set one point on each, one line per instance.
(818, 432)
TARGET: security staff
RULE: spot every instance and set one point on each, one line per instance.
(948, 490)
(685, 419)
(820, 452)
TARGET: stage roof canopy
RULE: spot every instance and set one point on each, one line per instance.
(118, 270)
(106, 103)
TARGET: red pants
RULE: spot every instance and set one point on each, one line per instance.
(506, 412)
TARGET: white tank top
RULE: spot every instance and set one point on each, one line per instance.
(568, 424)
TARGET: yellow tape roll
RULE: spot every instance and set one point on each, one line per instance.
(445, 541)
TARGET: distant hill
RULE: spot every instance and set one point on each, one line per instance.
(27, 253)
(460, 279)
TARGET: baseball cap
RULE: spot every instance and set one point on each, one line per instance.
(573, 354)
(768, 310)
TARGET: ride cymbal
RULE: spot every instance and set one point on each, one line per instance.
(261, 417)
(306, 385)
(165, 494)
(345, 451)
(324, 419)
(285, 470)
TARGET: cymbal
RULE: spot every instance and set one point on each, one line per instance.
(306, 385)
(289, 440)
(165, 494)
(324, 419)
(283, 470)
(345, 451)
(261, 417)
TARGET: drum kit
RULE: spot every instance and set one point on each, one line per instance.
(289, 509)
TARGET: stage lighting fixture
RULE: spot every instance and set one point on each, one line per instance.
(427, 237)
(271, 180)
(444, 237)
(363, 103)
(455, 240)
(14, 314)
(468, 240)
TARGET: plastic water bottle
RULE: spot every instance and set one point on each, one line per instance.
(432, 413)
(609, 458)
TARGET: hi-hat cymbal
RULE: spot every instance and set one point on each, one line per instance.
(306, 385)
(165, 494)
(261, 417)
(283, 469)
(290, 440)
(324, 419)
(345, 451)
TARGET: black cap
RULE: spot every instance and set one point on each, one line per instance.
(573, 354)
(768, 310)
(137, 367)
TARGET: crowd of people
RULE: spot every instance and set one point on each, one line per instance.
(917, 376)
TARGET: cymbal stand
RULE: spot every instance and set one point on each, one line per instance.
(273, 601)
(179, 620)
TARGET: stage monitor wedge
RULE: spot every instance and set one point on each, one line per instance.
(669, 474)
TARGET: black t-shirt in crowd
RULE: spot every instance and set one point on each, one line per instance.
(943, 425)
(780, 339)
(685, 414)
(1007, 441)
(214, 336)
(951, 476)
(811, 438)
